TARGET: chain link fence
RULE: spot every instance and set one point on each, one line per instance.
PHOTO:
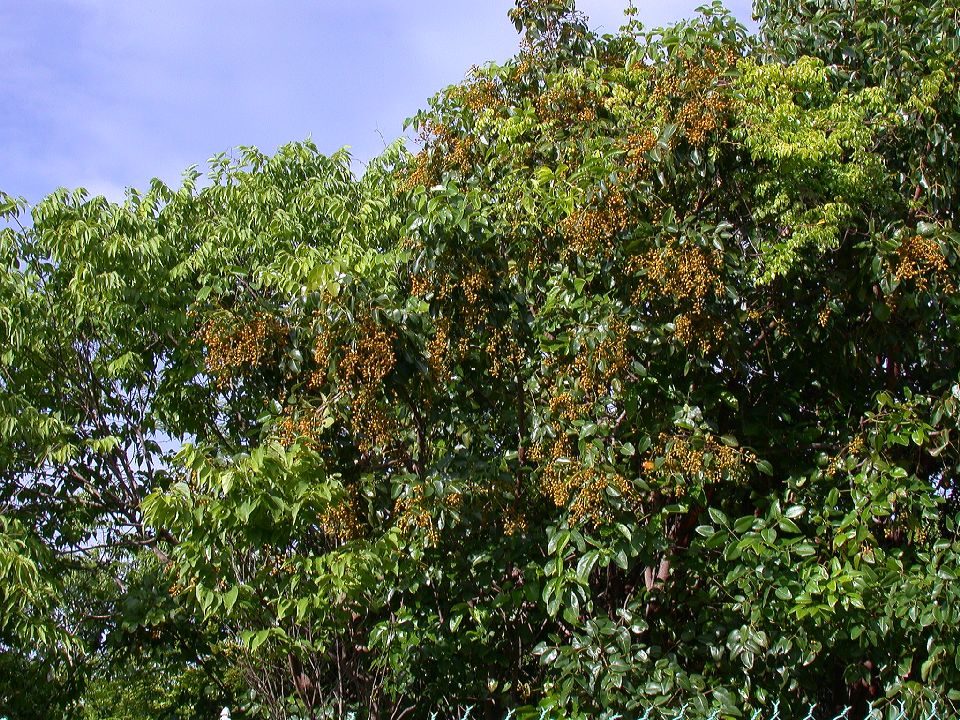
(887, 712)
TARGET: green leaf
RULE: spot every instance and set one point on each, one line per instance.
(718, 517)
(585, 566)
(230, 598)
(788, 525)
(258, 638)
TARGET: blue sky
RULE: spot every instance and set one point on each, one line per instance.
(107, 94)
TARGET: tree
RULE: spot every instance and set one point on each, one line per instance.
(102, 375)
(637, 386)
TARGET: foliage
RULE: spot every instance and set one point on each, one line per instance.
(637, 386)
(908, 50)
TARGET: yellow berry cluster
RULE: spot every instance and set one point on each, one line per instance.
(526, 58)
(453, 500)
(838, 463)
(697, 459)
(687, 273)
(918, 258)
(591, 506)
(232, 347)
(514, 521)
(823, 317)
(697, 328)
(563, 406)
(909, 531)
(473, 285)
(921, 534)
(341, 521)
(683, 328)
(856, 445)
(636, 146)
(275, 560)
(465, 342)
(595, 369)
(503, 352)
(438, 351)
(588, 230)
(553, 483)
(583, 491)
(412, 514)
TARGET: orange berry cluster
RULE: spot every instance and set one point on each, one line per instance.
(700, 459)
(701, 116)
(322, 348)
(420, 285)
(459, 156)
(565, 104)
(478, 93)
(526, 59)
(590, 229)
(420, 175)
(230, 348)
(446, 147)
(696, 83)
(667, 87)
(432, 132)
(306, 423)
(371, 358)
(918, 258)
(372, 425)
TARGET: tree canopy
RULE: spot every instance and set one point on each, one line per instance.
(635, 387)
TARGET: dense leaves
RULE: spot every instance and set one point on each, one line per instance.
(635, 387)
